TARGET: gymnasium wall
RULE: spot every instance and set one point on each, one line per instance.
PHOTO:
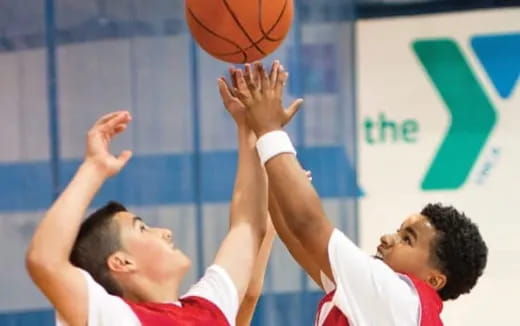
(438, 111)
(375, 130)
(138, 55)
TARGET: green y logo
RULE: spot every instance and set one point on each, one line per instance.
(472, 114)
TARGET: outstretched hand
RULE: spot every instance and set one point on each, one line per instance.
(229, 98)
(250, 85)
(99, 138)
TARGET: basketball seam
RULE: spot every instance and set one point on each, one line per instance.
(263, 38)
(244, 54)
(246, 34)
(266, 35)
(255, 44)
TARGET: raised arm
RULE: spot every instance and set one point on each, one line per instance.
(47, 258)
(361, 282)
(248, 211)
(254, 289)
(295, 247)
(248, 206)
(299, 203)
(302, 211)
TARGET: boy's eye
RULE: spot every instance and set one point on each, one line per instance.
(143, 228)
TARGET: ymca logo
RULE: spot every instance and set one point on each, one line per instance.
(473, 115)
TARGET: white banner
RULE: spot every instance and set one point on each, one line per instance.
(438, 104)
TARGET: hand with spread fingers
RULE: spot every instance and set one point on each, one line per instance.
(233, 105)
(99, 138)
(261, 94)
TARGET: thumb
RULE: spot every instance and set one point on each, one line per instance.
(291, 111)
(124, 157)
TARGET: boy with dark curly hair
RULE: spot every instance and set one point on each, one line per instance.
(435, 255)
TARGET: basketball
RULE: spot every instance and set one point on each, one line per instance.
(239, 31)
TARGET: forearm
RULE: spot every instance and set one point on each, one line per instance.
(298, 201)
(254, 290)
(54, 237)
(239, 249)
(249, 202)
(300, 206)
(294, 246)
(262, 259)
(246, 311)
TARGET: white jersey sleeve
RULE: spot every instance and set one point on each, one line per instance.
(217, 287)
(104, 309)
(368, 292)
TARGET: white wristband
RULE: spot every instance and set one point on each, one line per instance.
(272, 144)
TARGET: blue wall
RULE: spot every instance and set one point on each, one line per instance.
(63, 63)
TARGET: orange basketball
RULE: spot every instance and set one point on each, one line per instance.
(239, 31)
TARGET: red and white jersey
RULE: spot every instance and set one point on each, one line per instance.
(190, 311)
(366, 292)
(211, 301)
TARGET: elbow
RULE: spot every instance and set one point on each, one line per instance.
(31, 258)
(34, 263)
(40, 272)
(38, 265)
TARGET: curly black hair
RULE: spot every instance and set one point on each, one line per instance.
(458, 249)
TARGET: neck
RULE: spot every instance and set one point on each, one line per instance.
(142, 290)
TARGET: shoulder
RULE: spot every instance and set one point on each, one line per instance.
(214, 293)
(105, 309)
